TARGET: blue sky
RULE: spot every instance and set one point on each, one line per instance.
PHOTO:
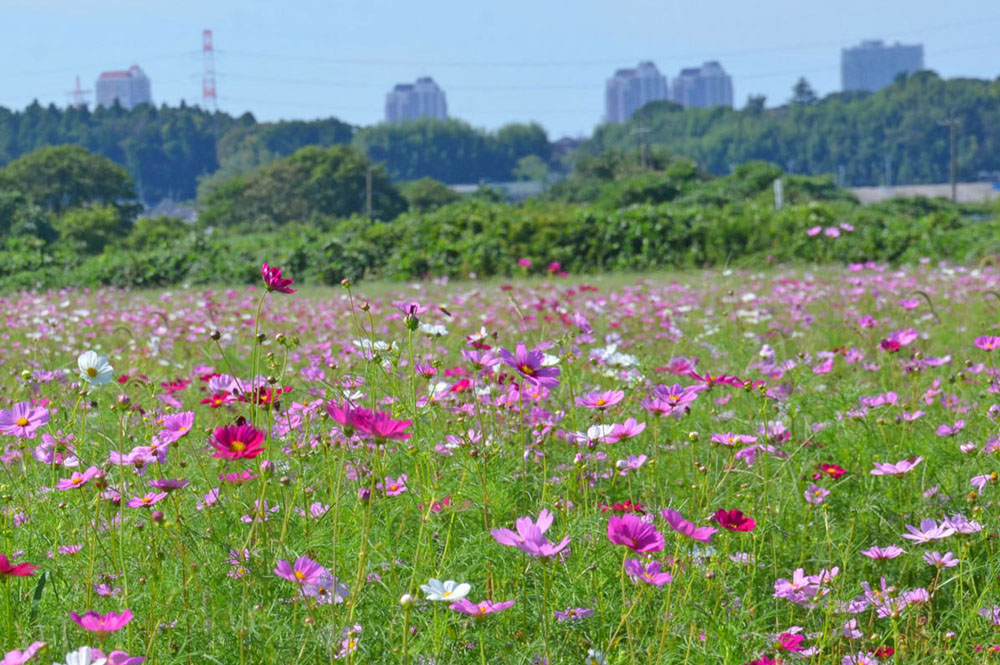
(497, 61)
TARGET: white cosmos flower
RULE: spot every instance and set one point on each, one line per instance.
(433, 329)
(450, 590)
(94, 369)
(82, 657)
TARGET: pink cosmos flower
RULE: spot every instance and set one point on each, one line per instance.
(600, 400)
(929, 531)
(393, 486)
(814, 231)
(529, 536)
(897, 469)
(16, 657)
(77, 479)
(630, 428)
(946, 560)
(677, 522)
(987, 343)
(815, 494)
(529, 365)
(731, 439)
(22, 420)
(890, 552)
(465, 606)
(650, 573)
(635, 534)
(102, 625)
(146, 501)
(303, 571)
(274, 281)
(950, 430)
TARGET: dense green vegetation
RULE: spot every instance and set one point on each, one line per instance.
(858, 132)
(178, 153)
(305, 211)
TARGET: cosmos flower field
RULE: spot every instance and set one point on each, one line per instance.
(725, 467)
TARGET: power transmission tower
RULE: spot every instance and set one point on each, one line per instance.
(952, 124)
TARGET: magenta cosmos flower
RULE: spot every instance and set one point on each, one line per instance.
(393, 486)
(600, 400)
(529, 365)
(274, 281)
(22, 420)
(102, 625)
(381, 425)
(303, 571)
(677, 522)
(734, 520)
(633, 533)
(897, 469)
(237, 442)
(465, 606)
(16, 657)
(8, 569)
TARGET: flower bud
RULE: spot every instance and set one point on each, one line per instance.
(407, 601)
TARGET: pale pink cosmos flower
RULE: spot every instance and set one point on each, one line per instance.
(929, 531)
(897, 469)
(680, 525)
(890, 552)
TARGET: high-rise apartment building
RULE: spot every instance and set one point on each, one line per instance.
(630, 89)
(703, 87)
(130, 87)
(409, 101)
(874, 65)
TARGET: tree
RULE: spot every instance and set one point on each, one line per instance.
(531, 168)
(313, 182)
(427, 194)
(803, 93)
(21, 217)
(90, 230)
(755, 104)
(63, 177)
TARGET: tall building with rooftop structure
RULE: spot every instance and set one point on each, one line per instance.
(874, 65)
(703, 87)
(630, 89)
(409, 101)
(130, 87)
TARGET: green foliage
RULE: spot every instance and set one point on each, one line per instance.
(64, 177)
(21, 217)
(312, 182)
(451, 150)
(152, 232)
(427, 194)
(853, 131)
(90, 230)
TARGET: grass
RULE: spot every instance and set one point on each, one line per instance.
(476, 465)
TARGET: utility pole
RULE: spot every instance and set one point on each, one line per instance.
(641, 131)
(368, 193)
(952, 124)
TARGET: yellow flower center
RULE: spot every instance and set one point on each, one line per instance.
(76, 481)
(237, 446)
(601, 402)
(92, 372)
(21, 422)
(446, 594)
(393, 488)
(299, 575)
(482, 608)
(527, 369)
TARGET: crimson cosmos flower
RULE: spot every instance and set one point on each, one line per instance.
(8, 569)
(734, 520)
(274, 281)
(237, 442)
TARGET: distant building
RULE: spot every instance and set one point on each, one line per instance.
(630, 89)
(874, 65)
(130, 87)
(703, 87)
(409, 101)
